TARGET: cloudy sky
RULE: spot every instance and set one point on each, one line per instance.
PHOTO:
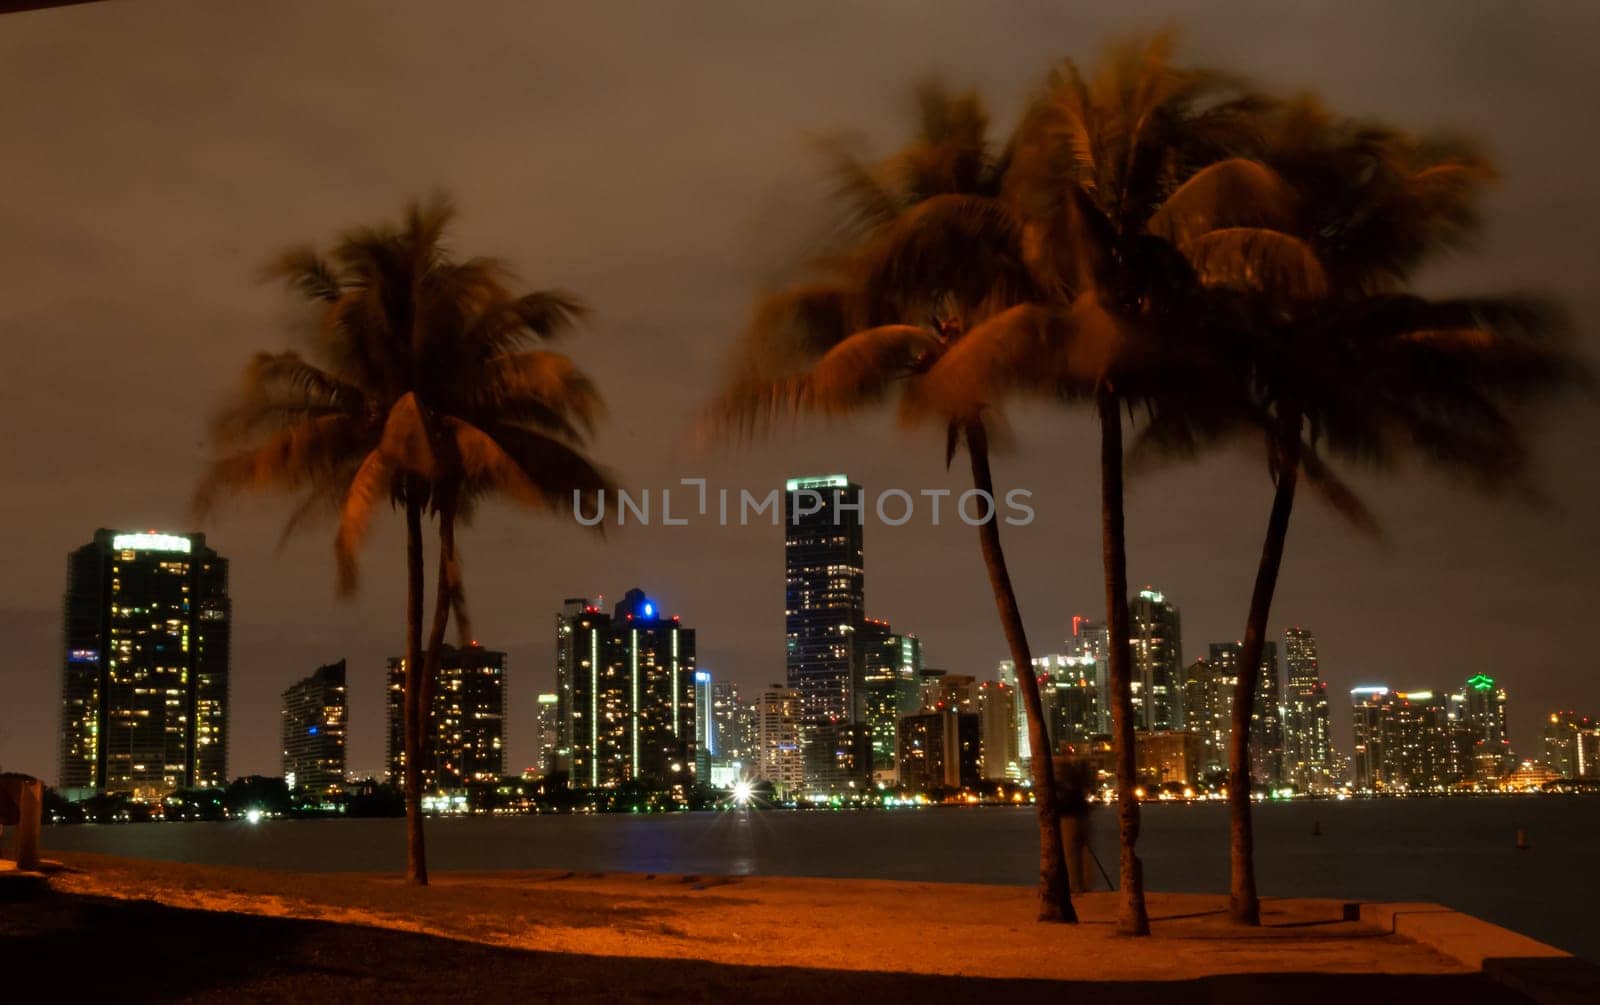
(655, 158)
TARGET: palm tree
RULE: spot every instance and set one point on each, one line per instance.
(1358, 369)
(1134, 199)
(417, 392)
(929, 253)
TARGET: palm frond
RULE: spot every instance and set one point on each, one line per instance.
(373, 482)
(1259, 260)
(1237, 192)
(1339, 497)
(306, 272)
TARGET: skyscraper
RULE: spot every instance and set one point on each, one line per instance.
(1405, 741)
(705, 725)
(1571, 745)
(1266, 719)
(1479, 709)
(625, 685)
(891, 673)
(997, 731)
(943, 689)
(1156, 637)
(144, 692)
(940, 750)
(548, 727)
(580, 627)
(467, 738)
(1068, 695)
(733, 724)
(779, 759)
(1090, 639)
(1072, 704)
(314, 723)
(1308, 737)
(1208, 708)
(824, 603)
(1370, 760)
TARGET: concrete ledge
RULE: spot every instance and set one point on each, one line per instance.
(1538, 971)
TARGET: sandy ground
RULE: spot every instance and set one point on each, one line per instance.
(834, 925)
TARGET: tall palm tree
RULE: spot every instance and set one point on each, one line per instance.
(1358, 369)
(929, 252)
(419, 392)
(1134, 197)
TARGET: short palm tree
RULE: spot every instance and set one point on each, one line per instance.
(421, 392)
(920, 268)
(1355, 368)
(1134, 197)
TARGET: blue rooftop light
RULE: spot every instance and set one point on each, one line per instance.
(649, 609)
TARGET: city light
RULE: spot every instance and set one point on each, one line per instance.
(150, 542)
(817, 482)
(742, 793)
(252, 816)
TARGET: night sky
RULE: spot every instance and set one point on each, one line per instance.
(655, 158)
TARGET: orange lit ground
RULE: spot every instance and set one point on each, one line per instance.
(853, 929)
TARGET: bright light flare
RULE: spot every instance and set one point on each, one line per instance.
(743, 792)
(253, 816)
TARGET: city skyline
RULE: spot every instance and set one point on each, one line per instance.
(1273, 741)
(1460, 581)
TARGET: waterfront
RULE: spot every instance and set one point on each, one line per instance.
(1460, 852)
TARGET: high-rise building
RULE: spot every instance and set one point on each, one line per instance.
(1072, 704)
(779, 759)
(1479, 711)
(1482, 703)
(1168, 757)
(1208, 690)
(1091, 639)
(837, 757)
(1407, 742)
(1371, 764)
(891, 673)
(943, 689)
(548, 726)
(1069, 697)
(467, 735)
(314, 723)
(1308, 737)
(824, 595)
(626, 687)
(1266, 722)
(581, 628)
(144, 692)
(1156, 637)
(1572, 745)
(997, 731)
(734, 724)
(705, 725)
(940, 750)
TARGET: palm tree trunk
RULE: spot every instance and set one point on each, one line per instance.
(443, 600)
(1055, 898)
(1133, 918)
(1244, 904)
(416, 852)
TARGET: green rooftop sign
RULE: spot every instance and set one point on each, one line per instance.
(817, 482)
(1481, 682)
